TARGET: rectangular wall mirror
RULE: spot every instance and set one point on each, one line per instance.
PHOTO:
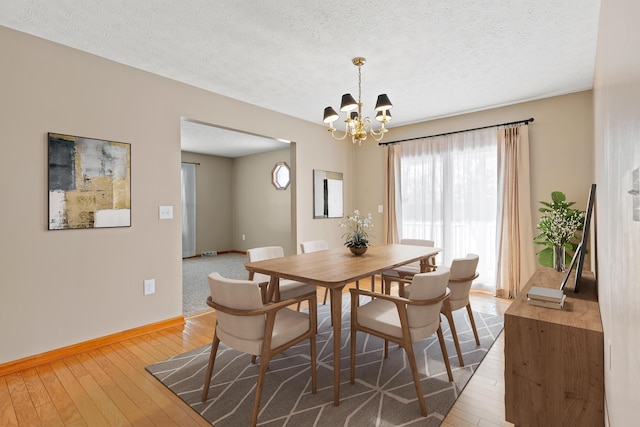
(327, 194)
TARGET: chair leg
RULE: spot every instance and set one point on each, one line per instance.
(253, 359)
(416, 377)
(445, 355)
(354, 319)
(313, 324)
(373, 283)
(324, 300)
(212, 359)
(264, 364)
(446, 310)
(473, 323)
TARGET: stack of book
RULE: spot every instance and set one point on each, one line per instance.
(546, 297)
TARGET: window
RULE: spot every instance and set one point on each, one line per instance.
(281, 176)
(448, 194)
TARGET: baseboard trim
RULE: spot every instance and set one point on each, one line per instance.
(60, 353)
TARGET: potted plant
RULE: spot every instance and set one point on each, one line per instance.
(558, 227)
(357, 238)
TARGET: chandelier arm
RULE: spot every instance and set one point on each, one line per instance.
(378, 136)
(333, 134)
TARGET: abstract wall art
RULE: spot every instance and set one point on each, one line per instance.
(89, 183)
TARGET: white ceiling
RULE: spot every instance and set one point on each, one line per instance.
(434, 58)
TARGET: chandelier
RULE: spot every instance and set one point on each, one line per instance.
(356, 126)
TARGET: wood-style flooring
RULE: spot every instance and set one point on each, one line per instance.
(110, 387)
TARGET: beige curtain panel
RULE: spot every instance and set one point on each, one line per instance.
(516, 254)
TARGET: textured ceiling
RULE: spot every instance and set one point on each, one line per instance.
(433, 58)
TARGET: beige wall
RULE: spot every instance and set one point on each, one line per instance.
(260, 212)
(617, 150)
(214, 209)
(63, 287)
(561, 154)
(236, 197)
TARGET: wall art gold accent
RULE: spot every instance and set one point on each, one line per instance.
(89, 183)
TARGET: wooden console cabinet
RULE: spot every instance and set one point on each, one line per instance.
(554, 359)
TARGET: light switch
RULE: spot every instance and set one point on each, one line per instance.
(149, 286)
(166, 212)
(380, 208)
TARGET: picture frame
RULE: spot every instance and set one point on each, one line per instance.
(89, 182)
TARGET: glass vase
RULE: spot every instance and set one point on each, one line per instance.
(558, 258)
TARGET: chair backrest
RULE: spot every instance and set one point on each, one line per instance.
(239, 295)
(261, 254)
(462, 268)
(426, 286)
(416, 242)
(314, 246)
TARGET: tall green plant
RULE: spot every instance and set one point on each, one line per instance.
(558, 227)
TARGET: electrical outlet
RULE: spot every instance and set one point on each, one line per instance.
(149, 286)
(165, 212)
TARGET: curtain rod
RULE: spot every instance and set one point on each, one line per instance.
(525, 121)
(191, 163)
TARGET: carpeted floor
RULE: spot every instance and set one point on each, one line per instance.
(195, 288)
(383, 394)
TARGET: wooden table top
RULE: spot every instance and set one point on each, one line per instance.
(338, 266)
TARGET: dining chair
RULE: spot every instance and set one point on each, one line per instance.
(315, 246)
(404, 320)
(246, 324)
(406, 271)
(287, 289)
(462, 274)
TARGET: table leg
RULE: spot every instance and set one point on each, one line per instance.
(336, 317)
(274, 284)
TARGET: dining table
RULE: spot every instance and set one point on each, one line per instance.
(334, 269)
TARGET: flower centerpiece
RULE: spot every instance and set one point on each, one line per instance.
(357, 238)
(558, 227)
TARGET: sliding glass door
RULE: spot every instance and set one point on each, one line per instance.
(448, 194)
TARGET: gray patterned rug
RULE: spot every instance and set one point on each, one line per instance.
(383, 395)
(195, 288)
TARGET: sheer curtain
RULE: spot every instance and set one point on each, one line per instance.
(446, 191)
(188, 210)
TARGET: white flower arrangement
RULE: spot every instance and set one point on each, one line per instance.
(359, 228)
(558, 227)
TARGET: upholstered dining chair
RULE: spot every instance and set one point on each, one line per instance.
(404, 320)
(245, 324)
(315, 246)
(462, 274)
(406, 271)
(288, 288)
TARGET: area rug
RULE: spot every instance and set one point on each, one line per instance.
(195, 287)
(383, 394)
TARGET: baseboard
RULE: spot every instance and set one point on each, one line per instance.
(60, 353)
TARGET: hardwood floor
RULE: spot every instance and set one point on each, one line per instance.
(110, 387)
